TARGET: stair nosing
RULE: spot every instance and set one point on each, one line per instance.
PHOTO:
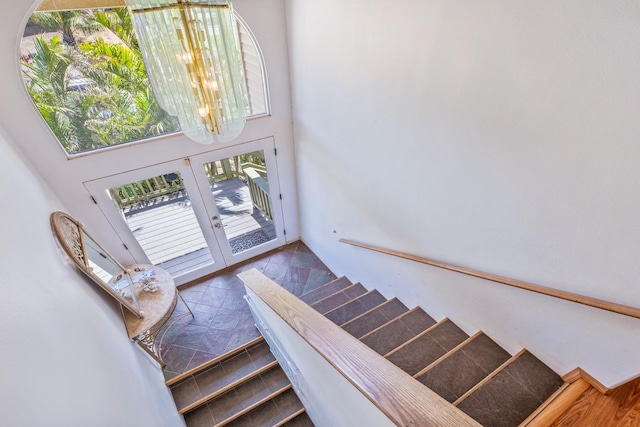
(421, 334)
(290, 417)
(367, 312)
(447, 354)
(253, 406)
(227, 387)
(350, 301)
(548, 402)
(336, 292)
(322, 286)
(488, 377)
(389, 322)
(193, 371)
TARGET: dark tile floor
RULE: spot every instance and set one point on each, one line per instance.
(222, 318)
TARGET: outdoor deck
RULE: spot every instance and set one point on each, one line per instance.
(168, 231)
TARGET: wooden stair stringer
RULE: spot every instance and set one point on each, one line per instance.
(579, 373)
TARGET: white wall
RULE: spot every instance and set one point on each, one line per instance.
(501, 136)
(22, 121)
(65, 359)
(329, 398)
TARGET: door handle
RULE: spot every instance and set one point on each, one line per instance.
(214, 217)
(217, 225)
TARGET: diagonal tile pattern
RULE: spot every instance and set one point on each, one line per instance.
(222, 317)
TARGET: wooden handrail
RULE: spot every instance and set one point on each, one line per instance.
(556, 293)
(258, 189)
(401, 398)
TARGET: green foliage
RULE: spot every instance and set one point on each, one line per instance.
(120, 23)
(47, 69)
(68, 22)
(97, 93)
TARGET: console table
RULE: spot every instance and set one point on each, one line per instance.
(156, 307)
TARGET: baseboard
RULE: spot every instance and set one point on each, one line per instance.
(579, 373)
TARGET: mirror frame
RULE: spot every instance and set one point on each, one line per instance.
(70, 234)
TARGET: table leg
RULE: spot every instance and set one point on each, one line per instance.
(185, 304)
(147, 340)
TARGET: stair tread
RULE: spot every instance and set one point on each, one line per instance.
(464, 368)
(338, 298)
(535, 376)
(235, 402)
(242, 394)
(378, 317)
(188, 374)
(271, 412)
(239, 399)
(426, 349)
(186, 393)
(221, 375)
(355, 307)
(516, 391)
(355, 290)
(301, 420)
(325, 290)
(199, 417)
(398, 331)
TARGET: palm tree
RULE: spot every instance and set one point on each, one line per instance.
(68, 22)
(47, 77)
(119, 21)
(118, 70)
(114, 105)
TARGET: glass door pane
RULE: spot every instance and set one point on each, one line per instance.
(243, 199)
(240, 189)
(159, 214)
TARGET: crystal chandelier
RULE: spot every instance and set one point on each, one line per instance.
(192, 52)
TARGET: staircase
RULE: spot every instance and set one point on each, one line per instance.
(245, 387)
(472, 372)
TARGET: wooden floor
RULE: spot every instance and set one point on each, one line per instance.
(619, 409)
(237, 212)
(169, 233)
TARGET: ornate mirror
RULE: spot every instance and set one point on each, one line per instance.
(94, 261)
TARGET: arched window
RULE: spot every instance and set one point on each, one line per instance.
(253, 71)
(85, 74)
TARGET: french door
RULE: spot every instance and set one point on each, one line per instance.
(196, 215)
